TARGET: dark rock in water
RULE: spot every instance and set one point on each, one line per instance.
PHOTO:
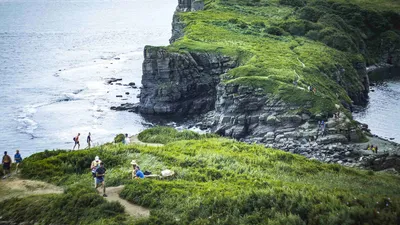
(117, 58)
(118, 84)
(126, 107)
(138, 96)
(132, 84)
(127, 93)
(372, 90)
(112, 80)
(391, 139)
(124, 99)
(118, 96)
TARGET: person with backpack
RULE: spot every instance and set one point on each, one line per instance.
(88, 140)
(127, 140)
(18, 160)
(100, 173)
(94, 166)
(76, 140)
(6, 165)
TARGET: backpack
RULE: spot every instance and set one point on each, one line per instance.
(74, 138)
(147, 173)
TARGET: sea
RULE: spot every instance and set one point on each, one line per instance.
(382, 113)
(55, 59)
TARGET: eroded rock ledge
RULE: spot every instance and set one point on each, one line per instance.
(180, 83)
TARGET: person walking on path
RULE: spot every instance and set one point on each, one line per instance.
(6, 165)
(94, 166)
(127, 140)
(89, 140)
(18, 160)
(100, 173)
(76, 140)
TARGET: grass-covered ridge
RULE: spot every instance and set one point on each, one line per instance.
(222, 181)
(164, 135)
(313, 42)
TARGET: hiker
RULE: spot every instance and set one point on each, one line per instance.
(134, 165)
(309, 88)
(88, 140)
(368, 147)
(373, 149)
(100, 173)
(376, 149)
(127, 140)
(6, 165)
(314, 90)
(76, 140)
(18, 160)
(138, 173)
(94, 166)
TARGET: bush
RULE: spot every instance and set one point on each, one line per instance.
(119, 138)
(275, 31)
(294, 3)
(78, 204)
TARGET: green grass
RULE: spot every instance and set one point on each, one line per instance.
(277, 42)
(164, 135)
(218, 181)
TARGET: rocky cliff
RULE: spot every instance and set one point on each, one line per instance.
(241, 97)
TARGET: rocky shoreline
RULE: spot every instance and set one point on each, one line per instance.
(191, 84)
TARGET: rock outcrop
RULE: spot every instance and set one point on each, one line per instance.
(180, 83)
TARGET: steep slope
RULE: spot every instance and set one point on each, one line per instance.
(250, 65)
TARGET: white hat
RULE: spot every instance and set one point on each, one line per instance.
(96, 158)
(133, 162)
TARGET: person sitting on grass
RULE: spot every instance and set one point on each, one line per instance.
(138, 173)
(100, 173)
(134, 165)
(18, 160)
(6, 165)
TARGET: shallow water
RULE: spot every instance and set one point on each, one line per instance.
(54, 59)
(382, 113)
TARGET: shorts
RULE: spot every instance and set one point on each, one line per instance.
(6, 166)
(99, 180)
(77, 142)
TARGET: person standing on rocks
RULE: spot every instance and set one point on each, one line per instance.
(76, 140)
(89, 140)
(100, 173)
(6, 165)
(18, 160)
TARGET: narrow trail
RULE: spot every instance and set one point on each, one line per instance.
(131, 209)
(135, 140)
(16, 187)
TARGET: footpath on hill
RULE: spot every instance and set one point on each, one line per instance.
(135, 140)
(16, 187)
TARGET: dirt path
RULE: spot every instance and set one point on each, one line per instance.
(131, 209)
(134, 139)
(16, 187)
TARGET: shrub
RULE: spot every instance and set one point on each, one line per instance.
(119, 138)
(294, 3)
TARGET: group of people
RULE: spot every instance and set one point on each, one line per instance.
(373, 148)
(99, 171)
(6, 161)
(76, 141)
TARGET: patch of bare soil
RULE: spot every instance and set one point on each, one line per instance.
(131, 209)
(15, 187)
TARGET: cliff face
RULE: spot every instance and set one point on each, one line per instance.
(259, 103)
(180, 84)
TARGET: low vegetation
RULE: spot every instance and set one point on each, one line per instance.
(217, 181)
(311, 42)
(164, 135)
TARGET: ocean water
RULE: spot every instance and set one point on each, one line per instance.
(55, 58)
(382, 113)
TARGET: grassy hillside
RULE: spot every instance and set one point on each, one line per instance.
(218, 181)
(313, 42)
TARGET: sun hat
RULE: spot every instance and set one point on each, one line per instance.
(133, 162)
(96, 158)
